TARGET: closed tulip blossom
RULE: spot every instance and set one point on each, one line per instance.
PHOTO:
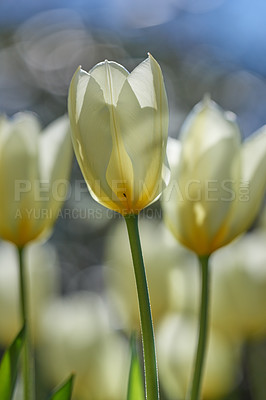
(34, 168)
(216, 189)
(119, 124)
(217, 183)
(33, 178)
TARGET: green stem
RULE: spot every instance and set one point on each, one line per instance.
(28, 362)
(203, 330)
(150, 364)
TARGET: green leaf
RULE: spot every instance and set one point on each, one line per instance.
(135, 381)
(64, 391)
(9, 367)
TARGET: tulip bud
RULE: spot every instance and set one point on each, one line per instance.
(217, 184)
(33, 178)
(119, 123)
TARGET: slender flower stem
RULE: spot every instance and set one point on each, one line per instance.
(203, 330)
(28, 362)
(150, 364)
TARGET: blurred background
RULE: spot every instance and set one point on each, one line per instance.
(85, 307)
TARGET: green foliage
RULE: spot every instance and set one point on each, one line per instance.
(9, 367)
(64, 391)
(135, 381)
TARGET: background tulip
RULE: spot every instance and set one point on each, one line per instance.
(217, 184)
(76, 335)
(34, 168)
(119, 127)
(216, 190)
(176, 340)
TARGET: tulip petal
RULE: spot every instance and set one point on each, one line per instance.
(173, 151)
(55, 155)
(90, 127)
(204, 128)
(171, 195)
(110, 76)
(252, 185)
(54, 141)
(141, 82)
(119, 174)
(143, 116)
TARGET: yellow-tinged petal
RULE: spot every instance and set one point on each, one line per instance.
(119, 173)
(91, 133)
(252, 184)
(137, 127)
(54, 141)
(144, 127)
(55, 154)
(172, 195)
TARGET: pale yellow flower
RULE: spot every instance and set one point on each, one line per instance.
(217, 184)
(34, 168)
(119, 123)
(76, 336)
(176, 342)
